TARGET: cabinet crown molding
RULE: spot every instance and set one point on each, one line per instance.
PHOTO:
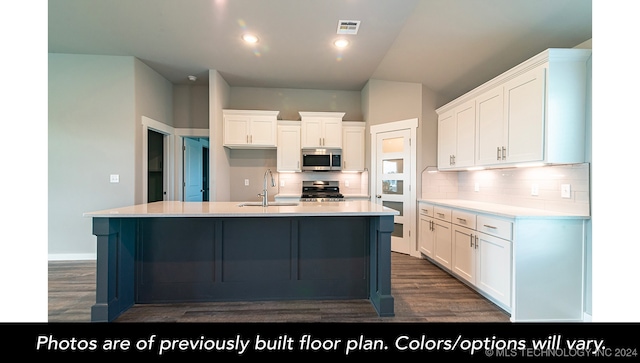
(321, 114)
(551, 55)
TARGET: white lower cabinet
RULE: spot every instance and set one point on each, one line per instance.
(481, 259)
(532, 266)
(493, 270)
(435, 234)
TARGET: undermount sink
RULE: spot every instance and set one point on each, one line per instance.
(270, 204)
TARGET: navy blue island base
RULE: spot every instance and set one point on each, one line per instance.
(159, 259)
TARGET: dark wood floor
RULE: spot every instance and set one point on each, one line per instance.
(422, 293)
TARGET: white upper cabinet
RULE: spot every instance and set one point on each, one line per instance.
(535, 112)
(353, 146)
(250, 128)
(321, 129)
(288, 154)
(456, 129)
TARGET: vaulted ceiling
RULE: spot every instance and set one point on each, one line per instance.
(450, 46)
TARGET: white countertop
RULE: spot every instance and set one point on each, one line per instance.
(500, 209)
(232, 209)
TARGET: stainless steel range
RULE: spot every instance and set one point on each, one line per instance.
(321, 191)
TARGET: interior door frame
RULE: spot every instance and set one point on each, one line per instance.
(411, 125)
(173, 163)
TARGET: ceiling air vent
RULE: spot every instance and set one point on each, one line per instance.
(348, 26)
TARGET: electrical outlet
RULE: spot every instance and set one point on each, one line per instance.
(346, 183)
(246, 182)
(565, 190)
(534, 189)
(477, 187)
(114, 178)
(281, 182)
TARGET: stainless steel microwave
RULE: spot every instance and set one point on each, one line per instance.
(321, 159)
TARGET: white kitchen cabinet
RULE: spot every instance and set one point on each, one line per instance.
(442, 237)
(480, 259)
(426, 231)
(435, 234)
(456, 137)
(250, 128)
(288, 152)
(321, 129)
(491, 127)
(533, 113)
(493, 270)
(532, 265)
(353, 146)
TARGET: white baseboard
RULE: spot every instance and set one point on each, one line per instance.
(71, 256)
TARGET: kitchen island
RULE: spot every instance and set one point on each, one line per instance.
(166, 252)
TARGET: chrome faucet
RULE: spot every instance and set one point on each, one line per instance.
(265, 194)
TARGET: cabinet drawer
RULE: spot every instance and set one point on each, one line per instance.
(425, 209)
(463, 218)
(442, 213)
(494, 226)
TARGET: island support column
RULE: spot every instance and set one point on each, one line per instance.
(115, 267)
(380, 265)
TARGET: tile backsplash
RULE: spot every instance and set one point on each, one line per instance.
(350, 183)
(514, 187)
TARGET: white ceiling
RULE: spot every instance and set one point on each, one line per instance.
(450, 46)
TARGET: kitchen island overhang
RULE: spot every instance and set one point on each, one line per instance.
(167, 252)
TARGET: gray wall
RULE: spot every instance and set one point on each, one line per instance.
(291, 101)
(191, 106)
(95, 104)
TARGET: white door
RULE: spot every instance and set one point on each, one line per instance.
(393, 183)
(193, 188)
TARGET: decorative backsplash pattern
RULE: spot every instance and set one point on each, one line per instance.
(514, 187)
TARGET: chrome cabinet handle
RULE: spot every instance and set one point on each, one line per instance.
(462, 220)
(476, 242)
(471, 238)
(492, 227)
(504, 153)
(498, 153)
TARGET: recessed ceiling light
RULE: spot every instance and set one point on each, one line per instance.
(341, 43)
(249, 38)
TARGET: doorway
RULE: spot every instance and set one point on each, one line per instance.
(196, 169)
(393, 164)
(155, 166)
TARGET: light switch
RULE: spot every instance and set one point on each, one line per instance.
(565, 190)
(246, 182)
(114, 178)
(282, 182)
(534, 189)
(477, 187)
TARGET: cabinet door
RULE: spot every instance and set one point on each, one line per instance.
(353, 148)
(442, 243)
(236, 130)
(446, 140)
(288, 153)
(490, 127)
(311, 133)
(426, 237)
(524, 110)
(465, 135)
(263, 131)
(493, 272)
(463, 254)
(332, 133)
